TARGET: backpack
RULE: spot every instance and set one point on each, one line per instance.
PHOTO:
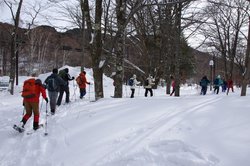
(203, 82)
(29, 89)
(62, 74)
(216, 81)
(51, 84)
(79, 80)
(130, 82)
(146, 83)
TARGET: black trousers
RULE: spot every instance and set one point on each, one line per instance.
(203, 90)
(62, 90)
(148, 90)
(216, 89)
(132, 93)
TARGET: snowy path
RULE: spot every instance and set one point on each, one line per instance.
(155, 128)
(157, 131)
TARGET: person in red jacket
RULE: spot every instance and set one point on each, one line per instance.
(230, 85)
(82, 81)
(31, 103)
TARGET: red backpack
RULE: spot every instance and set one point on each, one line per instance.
(29, 89)
(79, 80)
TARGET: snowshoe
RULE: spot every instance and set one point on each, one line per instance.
(18, 128)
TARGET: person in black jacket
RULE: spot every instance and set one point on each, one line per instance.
(64, 74)
(53, 84)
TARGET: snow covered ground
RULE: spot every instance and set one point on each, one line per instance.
(191, 130)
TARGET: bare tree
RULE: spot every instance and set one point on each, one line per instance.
(14, 46)
(95, 45)
(224, 30)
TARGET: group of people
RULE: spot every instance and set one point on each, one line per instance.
(204, 82)
(56, 84)
(148, 84)
(218, 81)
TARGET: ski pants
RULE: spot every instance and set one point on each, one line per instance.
(52, 100)
(173, 91)
(132, 93)
(62, 90)
(230, 87)
(82, 92)
(148, 90)
(203, 90)
(216, 89)
(31, 107)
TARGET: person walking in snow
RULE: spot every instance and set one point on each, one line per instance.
(204, 83)
(64, 74)
(81, 80)
(172, 85)
(53, 84)
(217, 84)
(32, 89)
(132, 83)
(148, 86)
(230, 85)
(224, 85)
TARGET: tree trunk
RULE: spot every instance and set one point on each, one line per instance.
(177, 49)
(96, 46)
(83, 35)
(245, 78)
(121, 21)
(97, 52)
(14, 48)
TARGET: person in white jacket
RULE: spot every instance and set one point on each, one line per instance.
(132, 83)
(148, 86)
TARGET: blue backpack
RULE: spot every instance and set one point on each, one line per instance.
(130, 82)
(52, 84)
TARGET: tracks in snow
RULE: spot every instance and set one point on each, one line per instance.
(153, 129)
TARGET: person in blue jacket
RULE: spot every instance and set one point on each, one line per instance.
(204, 83)
(217, 83)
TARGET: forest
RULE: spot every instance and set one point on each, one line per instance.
(182, 38)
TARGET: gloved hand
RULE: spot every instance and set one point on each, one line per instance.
(46, 99)
(73, 78)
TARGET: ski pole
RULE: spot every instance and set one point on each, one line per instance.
(74, 87)
(46, 120)
(41, 106)
(23, 109)
(139, 90)
(89, 91)
(126, 91)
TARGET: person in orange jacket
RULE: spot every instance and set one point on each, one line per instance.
(82, 81)
(31, 103)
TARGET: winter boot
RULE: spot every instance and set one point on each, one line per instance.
(22, 123)
(35, 125)
(52, 112)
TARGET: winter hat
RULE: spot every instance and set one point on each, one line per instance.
(218, 76)
(66, 70)
(134, 76)
(55, 71)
